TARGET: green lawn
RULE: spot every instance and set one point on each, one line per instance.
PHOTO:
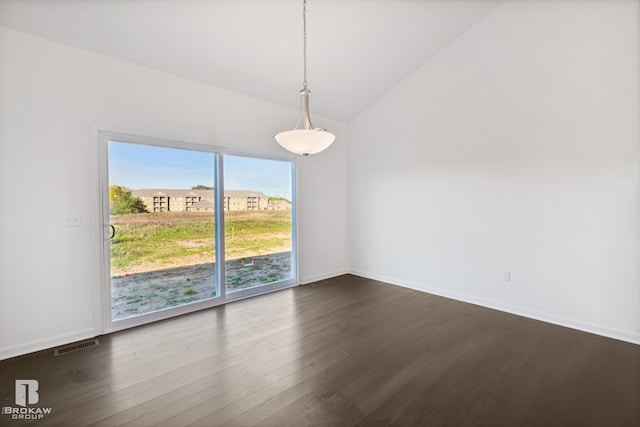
(145, 240)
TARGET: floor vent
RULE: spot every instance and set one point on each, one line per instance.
(319, 282)
(75, 347)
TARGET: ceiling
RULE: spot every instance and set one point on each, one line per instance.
(357, 50)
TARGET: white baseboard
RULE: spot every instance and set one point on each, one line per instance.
(621, 335)
(22, 349)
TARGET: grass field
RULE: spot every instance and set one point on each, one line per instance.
(145, 242)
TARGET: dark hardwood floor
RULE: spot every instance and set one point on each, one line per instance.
(352, 351)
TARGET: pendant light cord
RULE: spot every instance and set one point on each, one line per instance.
(304, 50)
(304, 56)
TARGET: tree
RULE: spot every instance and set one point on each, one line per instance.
(201, 187)
(122, 202)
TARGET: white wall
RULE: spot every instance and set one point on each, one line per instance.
(50, 96)
(515, 148)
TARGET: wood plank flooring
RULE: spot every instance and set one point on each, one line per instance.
(350, 352)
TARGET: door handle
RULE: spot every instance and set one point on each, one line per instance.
(113, 231)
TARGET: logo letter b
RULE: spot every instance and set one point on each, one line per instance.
(27, 392)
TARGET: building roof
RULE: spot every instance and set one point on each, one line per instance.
(151, 192)
(207, 194)
(243, 193)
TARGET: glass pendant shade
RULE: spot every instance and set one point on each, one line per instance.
(305, 141)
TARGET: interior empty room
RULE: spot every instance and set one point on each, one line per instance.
(455, 240)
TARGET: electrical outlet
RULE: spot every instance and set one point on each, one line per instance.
(506, 275)
(72, 220)
(324, 254)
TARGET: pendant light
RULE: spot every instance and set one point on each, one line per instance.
(305, 139)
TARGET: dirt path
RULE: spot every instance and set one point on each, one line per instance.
(140, 293)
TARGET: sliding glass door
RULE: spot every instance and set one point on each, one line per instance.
(258, 222)
(181, 235)
(161, 218)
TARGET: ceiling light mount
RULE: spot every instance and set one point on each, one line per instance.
(305, 139)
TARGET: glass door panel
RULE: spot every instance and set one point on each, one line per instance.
(258, 218)
(161, 212)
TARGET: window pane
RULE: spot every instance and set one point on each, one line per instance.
(161, 203)
(258, 222)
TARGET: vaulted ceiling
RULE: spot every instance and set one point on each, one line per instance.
(357, 50)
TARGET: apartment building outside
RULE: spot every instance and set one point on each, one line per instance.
(165, 200)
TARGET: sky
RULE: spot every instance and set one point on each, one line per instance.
(139, 166)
